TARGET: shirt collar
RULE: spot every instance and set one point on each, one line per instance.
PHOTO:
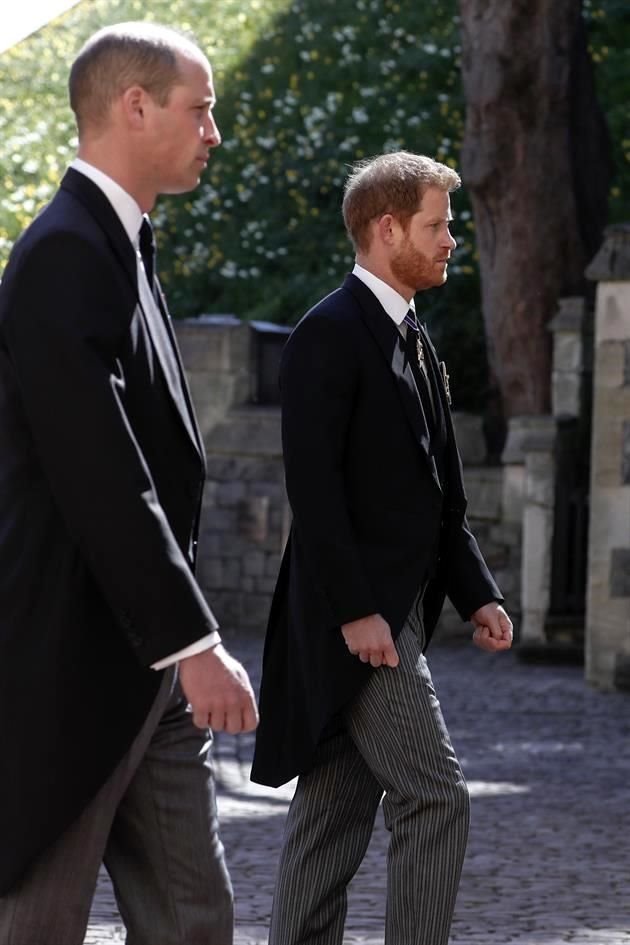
(393, 303)
(126, 208)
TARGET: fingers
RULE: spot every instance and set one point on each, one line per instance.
(483, 638)
(391, 656)
(383, 657)
(235, 721)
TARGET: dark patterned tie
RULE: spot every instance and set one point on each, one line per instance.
(414, 351)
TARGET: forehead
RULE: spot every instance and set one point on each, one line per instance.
(435, 203)
(195, 76)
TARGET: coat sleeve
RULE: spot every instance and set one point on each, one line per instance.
(469, 583)
(63, 342)
(318, 381)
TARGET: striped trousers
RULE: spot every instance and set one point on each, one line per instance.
(395, 744)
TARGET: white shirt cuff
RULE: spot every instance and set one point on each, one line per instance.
(205, 643)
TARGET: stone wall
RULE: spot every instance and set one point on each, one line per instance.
(608, 606)
(246, 516)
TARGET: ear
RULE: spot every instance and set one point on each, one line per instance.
(134, 101)
(388, 229)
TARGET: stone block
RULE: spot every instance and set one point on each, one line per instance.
(609, 366)
(248, 431)
(254, 563)
(263, 470)
(232, 574)
(612, 315)
(221, 468)
(209, 542)
(522, 430)
(210, 573)
(484, 487)
(470, 438)
(229, 494)
(255, 610)
(567, 352)
(608, 446)
(211, 344)
(509, 534)
(219, 520)
(513, 498)
(272, 565)
(536, 569)
(539, 479)
(532, 628)
(253, 518)
(265, 585)
(566, 394)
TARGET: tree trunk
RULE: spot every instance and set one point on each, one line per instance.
(535, 161)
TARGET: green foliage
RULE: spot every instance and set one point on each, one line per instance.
(305, 87)
(609, 33)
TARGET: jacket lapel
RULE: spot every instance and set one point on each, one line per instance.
(390, 342)
(161, 335)
(187, 409)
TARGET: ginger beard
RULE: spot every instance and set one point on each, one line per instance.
(414, 269)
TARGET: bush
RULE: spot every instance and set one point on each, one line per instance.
(304, 89)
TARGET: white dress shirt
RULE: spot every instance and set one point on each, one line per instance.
(130, 216)
(393, 303)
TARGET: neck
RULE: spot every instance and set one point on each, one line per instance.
(108, 160)
(382, 271)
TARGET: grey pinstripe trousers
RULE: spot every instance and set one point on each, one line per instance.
(395, 743)
(154, 824)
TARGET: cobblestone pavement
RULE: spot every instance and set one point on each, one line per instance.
(548, 764)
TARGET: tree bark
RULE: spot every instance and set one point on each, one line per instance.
(535, 161)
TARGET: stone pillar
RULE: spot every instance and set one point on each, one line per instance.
(513, 461)
(538, 506)
(568, 357)
(608, 593)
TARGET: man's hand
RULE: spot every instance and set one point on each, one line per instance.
(219, 691)
(371, 640)
(493, 628)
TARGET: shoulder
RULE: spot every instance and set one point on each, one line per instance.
(65, 269)
(337, 314)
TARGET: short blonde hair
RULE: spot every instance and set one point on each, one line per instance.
(390, 183)
(118, 57)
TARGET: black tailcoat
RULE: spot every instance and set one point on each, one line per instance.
(101, 477)
(373, 519)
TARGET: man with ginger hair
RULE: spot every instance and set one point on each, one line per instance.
(112, 672)
(379, 536)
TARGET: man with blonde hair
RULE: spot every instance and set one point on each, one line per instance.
(112, 672)
(379, 536)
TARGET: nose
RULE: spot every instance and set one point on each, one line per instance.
(450, 241)
(212, 135)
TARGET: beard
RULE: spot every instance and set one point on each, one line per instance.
(415, 270)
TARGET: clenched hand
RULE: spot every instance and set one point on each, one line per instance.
(219, 691)
(370, 639)
(493, 628)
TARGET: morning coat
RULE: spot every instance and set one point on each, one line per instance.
(101, 477)
(373, 519)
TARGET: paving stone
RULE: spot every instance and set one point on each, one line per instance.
(548, 767)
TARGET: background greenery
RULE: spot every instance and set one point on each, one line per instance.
(305, 87)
